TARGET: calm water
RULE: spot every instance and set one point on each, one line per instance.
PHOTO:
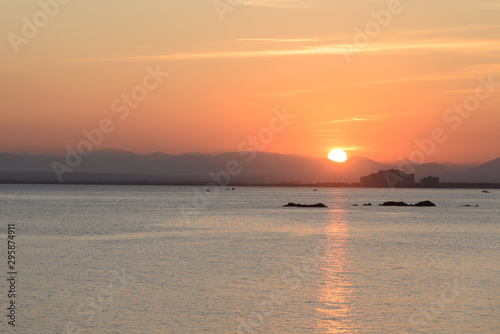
(119, 259)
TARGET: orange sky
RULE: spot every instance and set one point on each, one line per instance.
(375, 95)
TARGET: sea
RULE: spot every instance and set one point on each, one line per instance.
(184, 259)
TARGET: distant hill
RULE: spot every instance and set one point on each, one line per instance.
(487, 172)
(111, 165)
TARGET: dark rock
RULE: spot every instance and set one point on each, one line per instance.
(354, 205)
(392, 203)
(425, 203)
(318, 205)
(368, 204)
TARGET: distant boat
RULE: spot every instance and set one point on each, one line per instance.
(486, 191)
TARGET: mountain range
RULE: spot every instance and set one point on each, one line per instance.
(112, 165)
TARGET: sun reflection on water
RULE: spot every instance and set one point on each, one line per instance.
(335, 291)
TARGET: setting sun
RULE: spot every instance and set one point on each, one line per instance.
(337, 155)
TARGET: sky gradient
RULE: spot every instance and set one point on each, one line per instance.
(381, 79)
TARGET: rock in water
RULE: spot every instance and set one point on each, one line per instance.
(392, 203)
(296, 205)
(425, 203)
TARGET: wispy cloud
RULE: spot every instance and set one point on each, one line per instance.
(352, 119)
(393, 47)
(278, 39)
(355, 148)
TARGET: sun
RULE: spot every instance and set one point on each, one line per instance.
(337, 155)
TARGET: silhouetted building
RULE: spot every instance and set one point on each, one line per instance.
(388, 179)
(430, 181)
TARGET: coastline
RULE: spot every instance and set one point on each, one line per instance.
(445, 185)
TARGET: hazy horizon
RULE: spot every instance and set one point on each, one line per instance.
(104, 149)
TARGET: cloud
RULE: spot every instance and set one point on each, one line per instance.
(395, 47)
(352, 119)
(355, 148)
(451, 31)
(278, 39)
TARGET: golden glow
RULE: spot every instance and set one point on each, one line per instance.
(377, 100)
(337, 155)
(335, 294)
